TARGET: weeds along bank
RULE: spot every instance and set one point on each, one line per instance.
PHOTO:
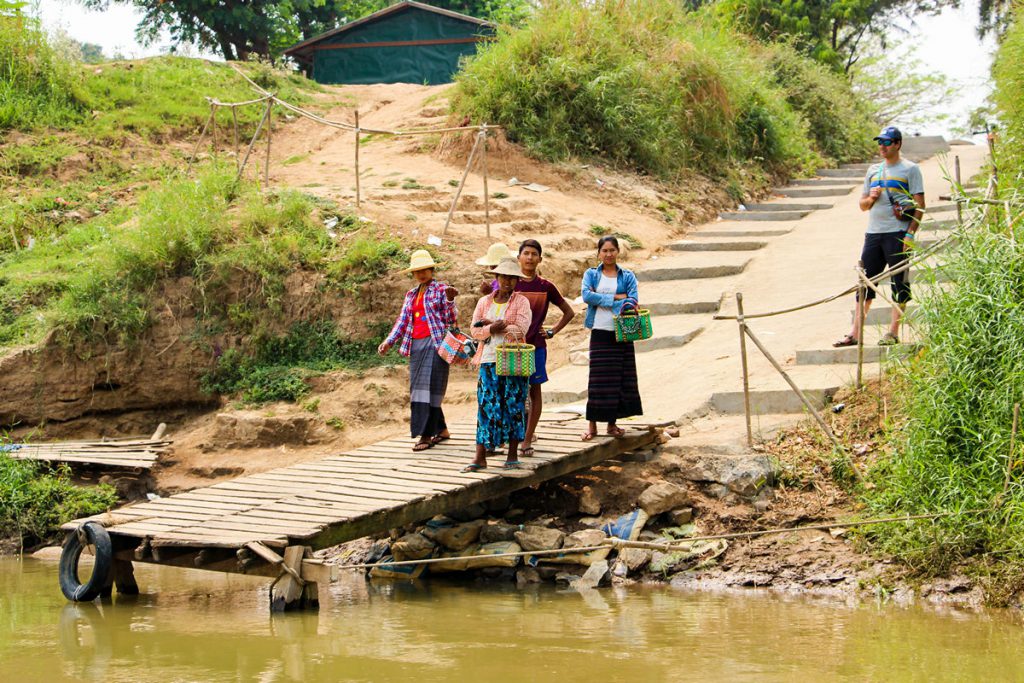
(156, 303)
(951, 447)
(653, 87)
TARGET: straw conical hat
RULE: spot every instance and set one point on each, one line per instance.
(495, 253)
(508, 266)
(420, 260)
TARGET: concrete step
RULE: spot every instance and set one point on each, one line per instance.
(787, 206)
(797, 192)
(881, 313)
(671, 331)
(691, 245)
(681, 307)
(818, 182)
(762, 215)
(667, 297)
(771, 401)
(741, 232)
(852, 174)
(771, 394)
(862, 167)
(848, 354)
(690, 272)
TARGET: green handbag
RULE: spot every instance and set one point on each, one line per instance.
(633, 324)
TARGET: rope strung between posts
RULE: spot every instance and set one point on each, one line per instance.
(348, 126)
(682, 545)
(910, 263)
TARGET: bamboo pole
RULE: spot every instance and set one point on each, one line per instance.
(792, 385)
(861, 317)
(743, 360)
(213, 128)
(483, 159)
(270, 131)
(959, 181)
(252, 143)
(202, 135)
(358, 191)
(462, 184)
(234, 118)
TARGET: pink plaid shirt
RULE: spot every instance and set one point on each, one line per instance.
(441, 314)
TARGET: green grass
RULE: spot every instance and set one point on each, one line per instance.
(35, 499)
(277, 369)
(98, 280)
(644, 84)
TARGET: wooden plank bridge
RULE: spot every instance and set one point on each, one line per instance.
(269, 523)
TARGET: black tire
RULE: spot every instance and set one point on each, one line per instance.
(72, 588)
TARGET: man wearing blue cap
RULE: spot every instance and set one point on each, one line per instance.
(893, 196)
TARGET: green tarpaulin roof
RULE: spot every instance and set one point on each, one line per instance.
(409, 42)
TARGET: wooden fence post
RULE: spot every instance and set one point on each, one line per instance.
(743, 360)
(234, 118)
(202, 135)
(252, 143)
(270, 130)
(358, 193)
(483, 159)
(462, 184)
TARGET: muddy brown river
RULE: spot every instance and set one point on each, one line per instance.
(202, 626)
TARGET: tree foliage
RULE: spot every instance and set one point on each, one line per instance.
(831, 31)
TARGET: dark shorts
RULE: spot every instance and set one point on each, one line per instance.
(886, 249)
(541, 361)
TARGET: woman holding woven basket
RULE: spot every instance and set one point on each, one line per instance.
(613, 391)
(500, 318)
(427, 313)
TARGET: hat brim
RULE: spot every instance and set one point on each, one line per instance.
(496, 273)
(879, 138)
(424, 267)
(485, 263)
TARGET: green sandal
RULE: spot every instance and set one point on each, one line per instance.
(889, 339)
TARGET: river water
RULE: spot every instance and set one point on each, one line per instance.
(203, 626)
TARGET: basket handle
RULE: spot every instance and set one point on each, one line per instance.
(630, 303)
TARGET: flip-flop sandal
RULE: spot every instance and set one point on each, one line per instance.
(587, 436)
(616, 431)
(422, 446)
(889, 339)
(526, 452)
(472, 467)
(848, 340)
(513, 465)
(515, 469)
(434, 440)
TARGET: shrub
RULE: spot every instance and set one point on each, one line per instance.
(277, 367)
(642, 83)
(838, 123)
(35, 500)
(38, 86)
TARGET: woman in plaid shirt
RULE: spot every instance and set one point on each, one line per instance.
(429, 310)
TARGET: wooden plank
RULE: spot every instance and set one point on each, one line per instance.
(366, 481)
(289, 489)
(397, 472)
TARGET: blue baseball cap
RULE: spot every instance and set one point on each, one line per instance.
(891, 133)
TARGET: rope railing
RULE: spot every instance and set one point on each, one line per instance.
(479, 149)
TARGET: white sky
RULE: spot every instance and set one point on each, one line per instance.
(946, 43)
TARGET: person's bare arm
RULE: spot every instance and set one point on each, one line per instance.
(567, 315)
(868, 200)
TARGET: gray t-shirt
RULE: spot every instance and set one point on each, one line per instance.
(901, 181)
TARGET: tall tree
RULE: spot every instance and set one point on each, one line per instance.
(832, 31)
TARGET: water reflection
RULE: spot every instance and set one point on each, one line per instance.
(200, 626)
